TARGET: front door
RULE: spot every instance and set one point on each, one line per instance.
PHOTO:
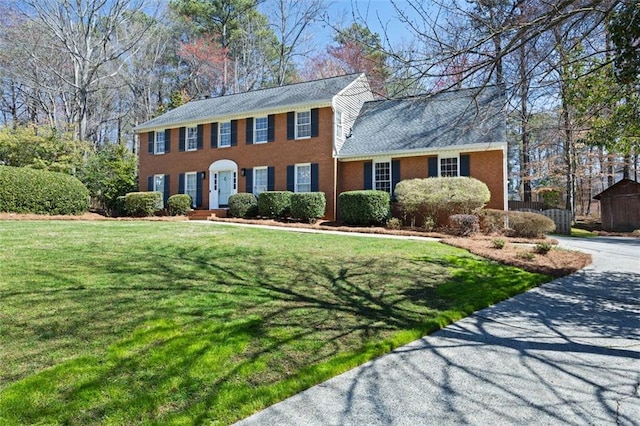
(225, 187)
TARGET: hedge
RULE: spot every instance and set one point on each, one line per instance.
(26, 190)
(274, 204)
(141, 204)
(367, 207)
(243, 205)
(308, 206)
(179, 204)
(515, 223)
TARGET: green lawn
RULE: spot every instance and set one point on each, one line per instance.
(186, 323)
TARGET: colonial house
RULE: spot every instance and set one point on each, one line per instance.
(327, 135)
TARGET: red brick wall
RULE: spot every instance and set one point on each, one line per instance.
(279, 154)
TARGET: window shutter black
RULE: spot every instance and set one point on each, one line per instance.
(433, 167)
(167, 140)
(150, 183)
(151, 139)
(182, 136)
(291, 125)
(395, 175)
(368, 178)
(291, 183)
(166, 188)
(234, 132)
(271, 128)
(271, 178)
(314, 122)
(248, 175)
(315, 180)
(465, 165)
(249, 131)
(181, 183)
(199, 179)
(214, 135)
(200, 136)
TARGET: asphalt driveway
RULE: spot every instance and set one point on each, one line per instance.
(567, 352)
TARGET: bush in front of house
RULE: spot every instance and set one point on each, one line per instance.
(492, 221)
(142, 204)
(179, 204)
(308, 206)
(464, 225)
(27, 190)
(274, 204)
(366, 207)
(529, 225)
(420, 199)
(243, 205)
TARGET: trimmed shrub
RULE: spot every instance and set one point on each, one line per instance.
(492, 220)
(243, 205)
(529, 225)
(274, 204)
(368, 207)
(179, 204)
(26, 190)
(542, 248)
(437, 197)
(142, 204)
(308, 206)
(464, 225)
(394, 223)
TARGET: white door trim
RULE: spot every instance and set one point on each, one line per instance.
(214, 168)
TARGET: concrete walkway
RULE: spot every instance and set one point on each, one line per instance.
(565, 353)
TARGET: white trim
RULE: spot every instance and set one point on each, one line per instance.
(385, 160)
(295, 124)
(195, 190)
(337, 124)
(355, 80)
(445, 156)
(186, 138)
(295, 176)
(214, 168)
(155, 142)
(266, 169)
(220, 134)
(255, 130)
(491, 146)
(155, 181)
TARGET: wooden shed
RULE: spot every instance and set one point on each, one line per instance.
(620, 206)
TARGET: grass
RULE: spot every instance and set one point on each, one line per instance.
(582, 233)
(182, 323)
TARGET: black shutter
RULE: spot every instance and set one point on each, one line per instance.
(465, 165)
(291, 182)
(368, 178)
(167, 140)
(199, 179)
(249, 131)
(315, 180)
(234, 132)
(214, 135)
(271, 128)
(433, 167)
(200, 136)
(291, 125)
(150, 183)
(181, 183)
(395, 175)
(150, 141)
(248, 175)
(314, 122)
(166, 188)
(182, 136)
(271, 178)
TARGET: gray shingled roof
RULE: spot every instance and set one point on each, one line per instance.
(311, 92)
(446, 119)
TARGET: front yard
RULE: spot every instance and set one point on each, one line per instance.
(169, 322)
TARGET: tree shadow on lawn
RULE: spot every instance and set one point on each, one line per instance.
(199, 338)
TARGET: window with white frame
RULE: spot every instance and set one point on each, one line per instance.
(225, 134)
(192, 138)
(339, 130)
(382, 176)
(260, 180)
(159, 143)
(449, 167)
(191, 186)
(261, 130)
(303, 124)
(303, 178)
(158, 183)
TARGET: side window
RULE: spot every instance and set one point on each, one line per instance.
(339, 129)
(449, 167)
(382, 176)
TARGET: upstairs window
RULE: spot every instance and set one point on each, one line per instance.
(261, 130)
(192, 138)
(303, 178)
(159, 143)
(339, 129)
(449, 167)
(382, 176)
(225, 134)
(303, 124)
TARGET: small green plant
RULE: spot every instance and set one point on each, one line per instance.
(498, 243)
(141, 204)
(526, 255)
(429, 224)
(542, 248)
(394, 223)
(179, 204)
(243, 205)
